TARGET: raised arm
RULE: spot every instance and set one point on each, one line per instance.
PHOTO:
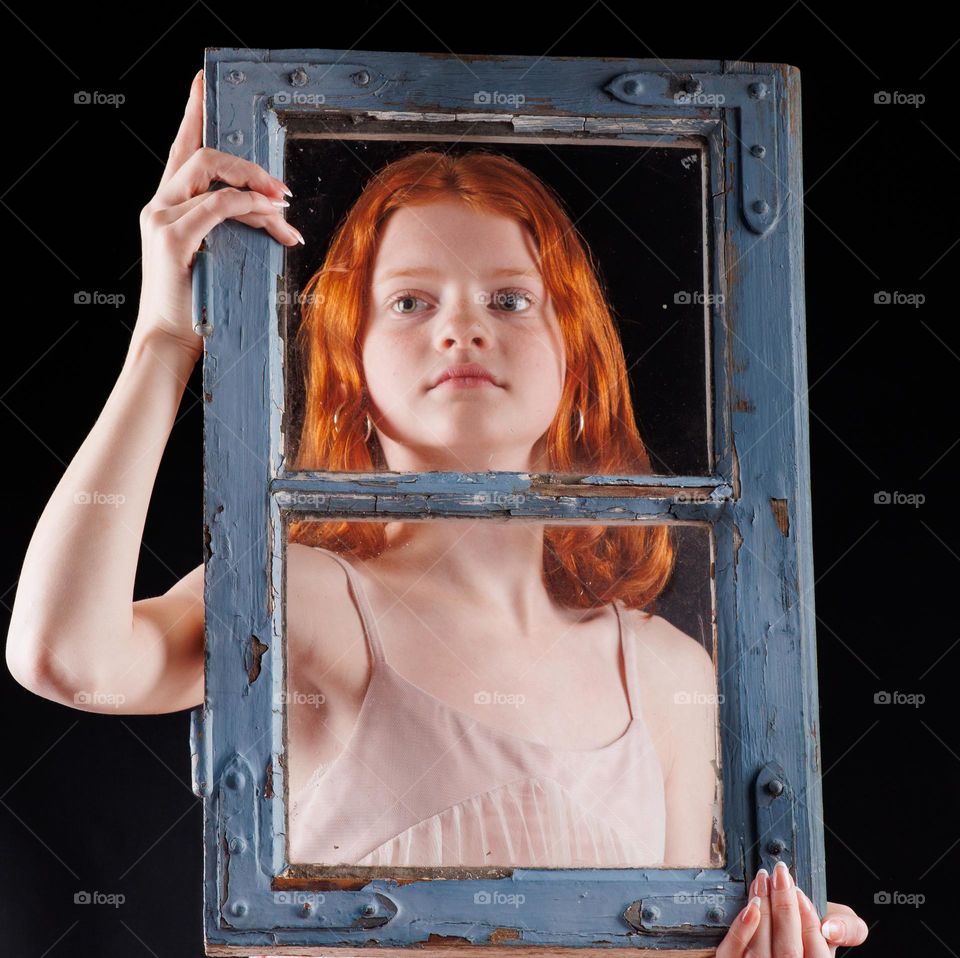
(76, 636)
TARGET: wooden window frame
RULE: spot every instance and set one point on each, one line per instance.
(756, 500)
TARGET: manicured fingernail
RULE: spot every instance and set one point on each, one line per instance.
(831, 929)
(747, 913)
(781, 876)
(298, 235)
(280, 203)
(284, 188)
(763, 883)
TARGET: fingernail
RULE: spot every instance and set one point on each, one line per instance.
(298, 235)
(763, 883)
(745, 917)
(280, 203)
(284, 188)
(781, 876)
(831, 929)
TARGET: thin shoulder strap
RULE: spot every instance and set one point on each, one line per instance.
(367, 619)
(629, 652)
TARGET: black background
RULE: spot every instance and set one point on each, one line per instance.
(104, 803)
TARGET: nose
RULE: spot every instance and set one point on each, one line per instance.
(463, 327)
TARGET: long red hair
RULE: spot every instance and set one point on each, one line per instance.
(584, 566)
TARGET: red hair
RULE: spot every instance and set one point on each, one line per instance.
(584, 566)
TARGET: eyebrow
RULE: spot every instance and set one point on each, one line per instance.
(430, 271)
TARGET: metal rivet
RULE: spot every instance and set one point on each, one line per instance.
(715, 913)
(306, 908)
(775, 786)
(633, 88)
(758, 150)
(761, 207)
(234, 779)
(775, 847)
(236, 137)
(650, 912)
(237, 845)
(693, 86)
(758, 90)
(362, 78)
(236, 76)
(369, 910)
(239, 908)
(298, 78)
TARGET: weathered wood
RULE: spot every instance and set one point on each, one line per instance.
(756, 500)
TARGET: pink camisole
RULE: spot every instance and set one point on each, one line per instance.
(421, 783)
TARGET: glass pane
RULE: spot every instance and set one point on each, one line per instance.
(572, 270)
(481, 692)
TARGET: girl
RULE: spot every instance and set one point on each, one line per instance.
(551, 393)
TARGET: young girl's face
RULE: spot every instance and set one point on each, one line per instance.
(454, 287)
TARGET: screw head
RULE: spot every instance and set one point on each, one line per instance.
(757, 90)
(361, 78)
(298, 77)
(715, 913)
(239, 908)
(236, 77)
(633, 88)
(650, 912)
(775, 847)
(234, 779)
(762, 207)
(758, 150)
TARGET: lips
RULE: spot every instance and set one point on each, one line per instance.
(466, 371)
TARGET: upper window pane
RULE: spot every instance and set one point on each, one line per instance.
(572, 271)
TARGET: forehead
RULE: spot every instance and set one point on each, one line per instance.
(448, 235)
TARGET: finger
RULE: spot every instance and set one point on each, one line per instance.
(763, 935)
(844, 927)
(741, 931)
(814, 945)
(207, 165)
(785, 912)
(189, 137)
(188, 231)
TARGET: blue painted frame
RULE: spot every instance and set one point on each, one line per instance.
(756, 500)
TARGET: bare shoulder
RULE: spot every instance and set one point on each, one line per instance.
(667, 652)
(324, 632)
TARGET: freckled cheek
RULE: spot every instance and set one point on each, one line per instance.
(391, 366)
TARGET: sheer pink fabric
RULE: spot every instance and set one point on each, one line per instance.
(421, 783)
